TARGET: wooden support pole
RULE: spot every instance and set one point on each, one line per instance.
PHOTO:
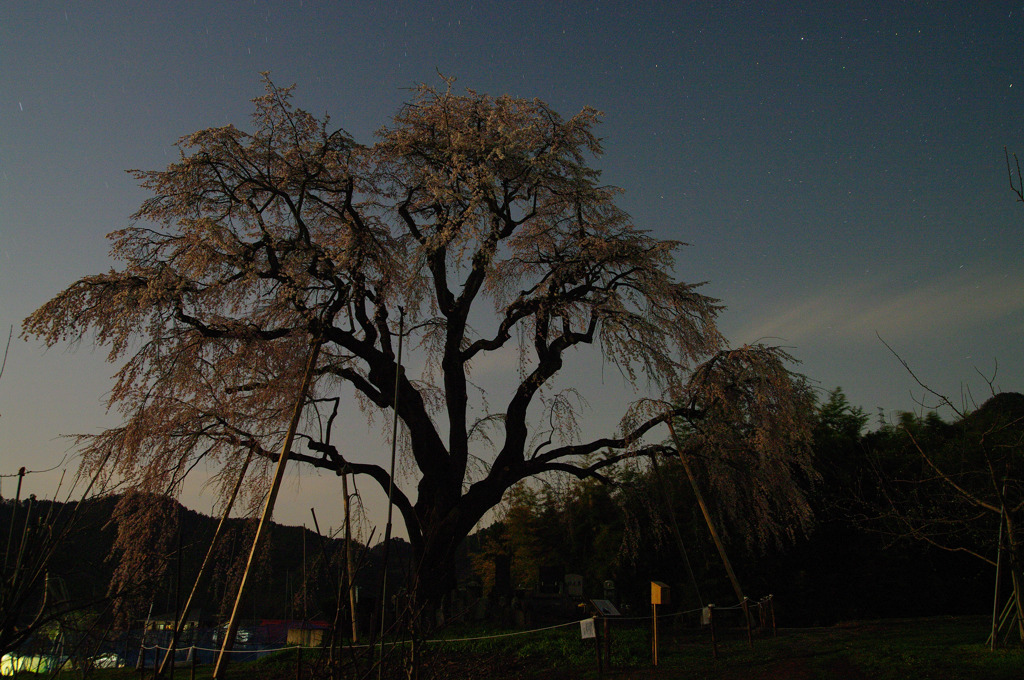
(391, 487)
(349, 570)
(268, 510)
(1015, 580)
(141, 664)
(999, 572)
(707, 514)
(14, 514)
(999, 578)
(178, 618)
(597, 646)
(207, 563)
(1013, 549)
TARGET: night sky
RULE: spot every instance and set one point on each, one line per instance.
(838, 171)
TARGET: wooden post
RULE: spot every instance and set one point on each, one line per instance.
(771, 605)
(597, 646)
(298, 659)
(654, 633)
(268, 510)
(192, 663)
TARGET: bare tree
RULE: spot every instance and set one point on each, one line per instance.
(959, 486)
(483, 220)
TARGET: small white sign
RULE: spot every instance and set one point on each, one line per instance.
(587, 629)
(705, 616)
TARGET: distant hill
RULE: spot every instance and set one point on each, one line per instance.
(84, 565)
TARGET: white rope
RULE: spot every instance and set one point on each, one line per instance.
(231, 651)
(504, 635)
(466, 639)
(660, 616)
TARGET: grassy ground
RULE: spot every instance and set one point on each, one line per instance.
(944, 647)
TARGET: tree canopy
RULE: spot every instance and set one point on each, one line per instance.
(480, 221)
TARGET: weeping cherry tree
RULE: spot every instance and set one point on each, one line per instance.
(482, 220)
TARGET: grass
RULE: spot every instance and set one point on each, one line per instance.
(938, 648)
(942, 647)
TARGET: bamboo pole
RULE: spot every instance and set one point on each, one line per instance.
(268, 510)
(14, 514)
(178, 618)
(391, 486)
(1014, 551)
(999, 576)
(707, 515)
(349, 572)
(674, 524)
(207, 562)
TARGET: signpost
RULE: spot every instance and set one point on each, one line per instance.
(605, 609)
(660, 594)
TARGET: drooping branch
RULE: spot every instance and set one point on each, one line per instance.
(252, 243)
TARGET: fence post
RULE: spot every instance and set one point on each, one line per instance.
(746, 615)
(192, 663)
(607, 643)
(597, 646)
(771, 605)
(711, 624)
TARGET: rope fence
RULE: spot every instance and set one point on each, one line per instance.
(753, 614)
(764, 606)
